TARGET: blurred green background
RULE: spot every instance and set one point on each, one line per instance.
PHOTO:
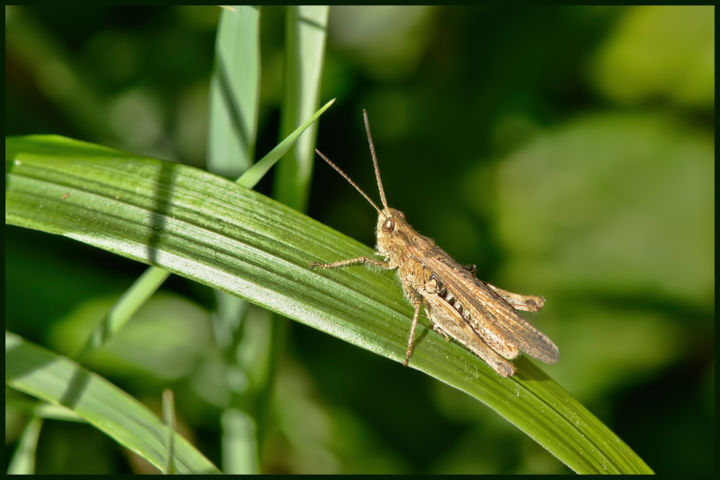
(567, 151)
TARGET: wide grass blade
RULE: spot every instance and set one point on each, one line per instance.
(213, 231)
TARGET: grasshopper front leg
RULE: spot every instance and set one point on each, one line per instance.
(386, 266)
(355, 261)
(414, 298)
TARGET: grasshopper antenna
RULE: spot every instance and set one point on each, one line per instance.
(346, 177)
(374, 158)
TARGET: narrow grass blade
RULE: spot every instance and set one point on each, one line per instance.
(255, 173)
(123, 310)
(239, 451)
(40, 409)
(234, 92)
(23, 460)
(169, 418)
(305, 34)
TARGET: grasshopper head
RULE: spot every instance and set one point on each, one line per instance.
(391, 223)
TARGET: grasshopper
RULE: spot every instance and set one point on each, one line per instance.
(480, 316)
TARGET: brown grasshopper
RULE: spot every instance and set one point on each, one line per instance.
(478, 315)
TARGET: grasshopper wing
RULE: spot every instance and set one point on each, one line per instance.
(489, 314)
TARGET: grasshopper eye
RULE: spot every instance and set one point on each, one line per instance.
(389, 225)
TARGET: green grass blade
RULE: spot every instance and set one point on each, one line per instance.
(59, 380)
(238, 446)
(305, 34)
(169, 419)
(39, 409)
(303, 80)
(23, 460)
(255, 173)
(234, 92)
(123, 310)
(213, 231)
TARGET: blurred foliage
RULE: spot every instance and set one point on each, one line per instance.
(660, 52)
(567, 151)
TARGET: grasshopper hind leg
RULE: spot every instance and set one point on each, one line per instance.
(526, 303)
(442, 332)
